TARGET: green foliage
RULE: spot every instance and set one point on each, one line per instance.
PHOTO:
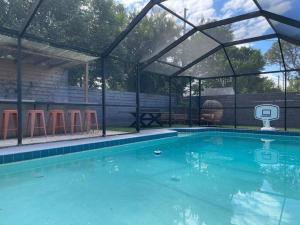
(246, 60)
(218, 83)
(255, 84)
(291, 55)
(273, 55)
(292, 61)
(293, 81)
(249, 60)
(154, 31)
(14, 12)
(89, 24)
(293, 85)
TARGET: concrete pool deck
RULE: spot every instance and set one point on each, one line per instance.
(59, 137)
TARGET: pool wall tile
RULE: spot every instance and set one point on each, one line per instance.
(8, 158)
(18, 157)
(42, 153)
(36, 154)
(28, 155)
(59, 151)
(52, 152)
(66, 150)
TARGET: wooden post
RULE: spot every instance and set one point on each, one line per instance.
(86, 83)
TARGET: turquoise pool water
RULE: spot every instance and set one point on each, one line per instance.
(206, 179)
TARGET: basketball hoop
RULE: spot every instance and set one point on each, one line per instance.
(267, 113)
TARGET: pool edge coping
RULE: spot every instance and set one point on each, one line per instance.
(235, 130)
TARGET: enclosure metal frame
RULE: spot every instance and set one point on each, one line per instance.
(267, 15)
(20, 34)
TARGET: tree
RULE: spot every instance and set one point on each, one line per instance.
(154, 31)
(86, 24)
(245, 60)
(13, 13)
(294, 82)
(291, 54)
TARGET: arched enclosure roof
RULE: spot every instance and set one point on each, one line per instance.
(184, 33)
(208, 31)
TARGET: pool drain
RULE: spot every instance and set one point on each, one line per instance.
(157, 152)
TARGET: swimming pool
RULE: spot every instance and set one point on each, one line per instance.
(199, 178)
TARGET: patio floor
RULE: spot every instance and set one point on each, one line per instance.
(61, 137)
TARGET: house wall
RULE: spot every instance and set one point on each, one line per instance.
(39, 83)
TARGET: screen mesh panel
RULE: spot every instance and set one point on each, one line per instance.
(287, 30)
(91, 25)
(196, 105)
(217, 98)
(13, 13)
(155, 31)
(180, 102)
(288, 8)
(255, 57)
(220, 89)
(154, 104)
(8, 86)
(293, 89)
(192, 48)
(200, 12)
(212, 66)
(241, 30)
(120, 75)
(120, 96)
(246, 120)
(292, 119)
(162, 68)
(253, 90)
(291, 55)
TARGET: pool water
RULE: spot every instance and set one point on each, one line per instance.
(207, 178)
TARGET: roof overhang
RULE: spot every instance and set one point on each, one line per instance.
(40, 50)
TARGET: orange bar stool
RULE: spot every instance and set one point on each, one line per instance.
(90, 120)
(35, 120)
(75, 120)
(57, 118)
(5, 122)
